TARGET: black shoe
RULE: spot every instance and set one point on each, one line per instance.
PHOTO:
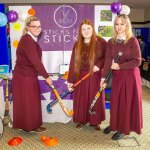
(118, 135)
(107, 130)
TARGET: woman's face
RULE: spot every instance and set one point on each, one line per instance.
(120, 26)
(86, 31)
(34, 28)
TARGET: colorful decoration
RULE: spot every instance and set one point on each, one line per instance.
(125, 10)
(3, 19)
(17, 26)
(15, 141)
(15, 43)
(31, 12)
(116, 7)
(23, 16)
(12, 16)
(51, 141)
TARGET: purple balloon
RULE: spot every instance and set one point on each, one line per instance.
(12, 16)
(116, 7)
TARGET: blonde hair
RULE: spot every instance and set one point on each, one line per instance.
(128, 32)
(28, 22)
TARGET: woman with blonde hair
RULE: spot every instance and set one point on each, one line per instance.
(126, 97)
(27, 113)
(87, 57)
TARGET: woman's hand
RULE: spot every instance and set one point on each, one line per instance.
(49, 81)
(102, 84)
(69, 85)
(95, 69)
(115, 66)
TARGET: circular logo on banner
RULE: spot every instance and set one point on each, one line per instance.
(65, 16)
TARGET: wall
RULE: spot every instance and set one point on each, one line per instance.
(137, 15)
(147, 14)
(147, 17)
(140, 15)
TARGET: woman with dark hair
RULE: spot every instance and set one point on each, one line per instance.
(87, 57)
(126, 96)
(27, 114)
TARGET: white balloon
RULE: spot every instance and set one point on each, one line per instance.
(125, 10)
(22, 16)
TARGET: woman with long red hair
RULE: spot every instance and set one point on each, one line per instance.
(87, 57)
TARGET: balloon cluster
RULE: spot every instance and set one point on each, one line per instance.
(12, 16)
(23, 14)
(118, 8)
(3, 19)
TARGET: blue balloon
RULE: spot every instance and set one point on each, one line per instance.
(3, 19)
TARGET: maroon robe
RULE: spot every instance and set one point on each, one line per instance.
(27, 113)
(85, 92)
(126, 96)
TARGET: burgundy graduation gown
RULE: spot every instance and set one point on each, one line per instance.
(27, 113)
(85, 92)
(126, 96)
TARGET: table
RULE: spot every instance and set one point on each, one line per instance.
(46, 97)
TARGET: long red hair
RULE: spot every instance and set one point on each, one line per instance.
(79, 49)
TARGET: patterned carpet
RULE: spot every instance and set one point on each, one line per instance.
(83, 139)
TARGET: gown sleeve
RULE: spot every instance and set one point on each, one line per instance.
(100, 60)
(31, 51)
(108, 59)
(135, 59)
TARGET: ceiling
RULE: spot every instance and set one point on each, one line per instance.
(143, 4)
